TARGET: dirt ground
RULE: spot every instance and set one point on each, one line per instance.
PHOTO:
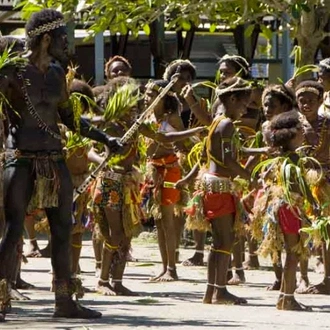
(175, 305)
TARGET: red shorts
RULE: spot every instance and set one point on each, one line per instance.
(218, 204)
(289, 220)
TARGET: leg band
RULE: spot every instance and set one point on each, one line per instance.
(103, 281)
(221, 251)
(76, 246)
(111, 247)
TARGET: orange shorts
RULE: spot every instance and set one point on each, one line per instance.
(169, 171)
(169, 195)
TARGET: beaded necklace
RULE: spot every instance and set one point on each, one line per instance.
(320, 132)
(33, 112)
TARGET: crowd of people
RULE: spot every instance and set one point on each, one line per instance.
(249, 165)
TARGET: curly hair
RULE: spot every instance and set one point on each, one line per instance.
(239, 63)
(282, 93)
(185, 65)
(311, 86)
(283, 128)
(112, 86)
(233, 86)
(81, 87)
(113, 59)
(39, 19)
(171, 101)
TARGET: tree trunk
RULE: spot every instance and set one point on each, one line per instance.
(310, 33)
(157, 40)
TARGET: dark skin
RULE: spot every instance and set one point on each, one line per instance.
(308, 105)
(222, 227)
(227, 70)
(112, 229)
(162, 146)
(324, 79)
(18, 282)
(47, 91)
(272, 106)
(288, 284)
(205, 118)
(117, 69)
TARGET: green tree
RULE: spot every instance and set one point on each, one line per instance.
(307, 19)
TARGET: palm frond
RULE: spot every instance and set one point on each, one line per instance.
(74, 141)
(11, 58)
(125, 98)
(77, 100)
(319, 228)
(264, 165)
(205, 83)
(298, 69)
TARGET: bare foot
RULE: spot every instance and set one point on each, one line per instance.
(238, 278)
(155, 278)
(223, 297)
(291, 304)
(105, 289)
(122, 290)
(22, 285)
(169, 276)
(252, 263)
(303, 285)
(321, 288)
(208, 294)
(72, 309)
(16, 295)
(45, 253)
(195, 260)
(279, 304)
(275, 286)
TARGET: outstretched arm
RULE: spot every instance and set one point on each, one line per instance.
(170, 136)
(188, 178)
